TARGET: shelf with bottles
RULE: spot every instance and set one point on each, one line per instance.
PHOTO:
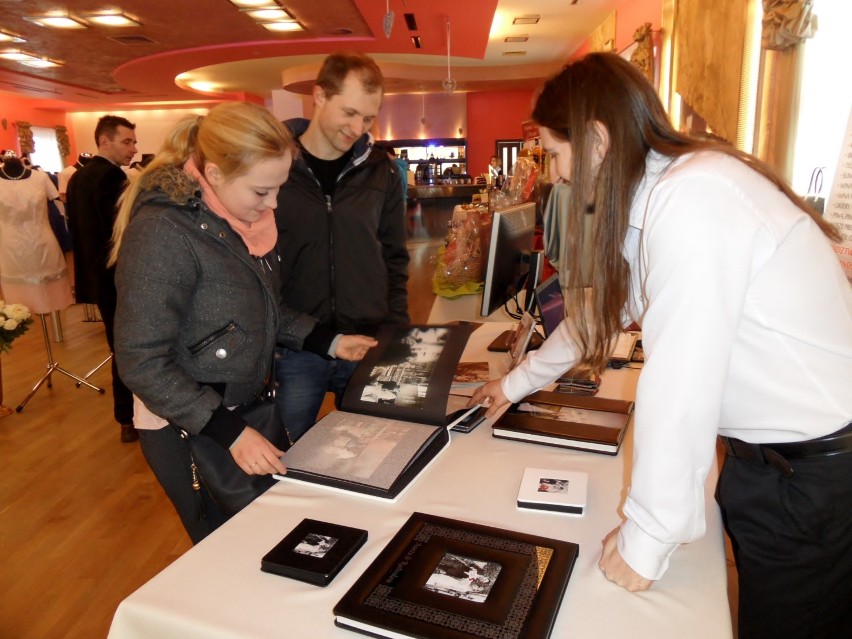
(444, 151)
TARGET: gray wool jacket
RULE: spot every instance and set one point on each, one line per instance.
(198, 317)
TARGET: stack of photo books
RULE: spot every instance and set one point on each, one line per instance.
(393, 420)
(441, 578)
(584, 423)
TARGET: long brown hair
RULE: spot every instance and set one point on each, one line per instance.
(603, 87)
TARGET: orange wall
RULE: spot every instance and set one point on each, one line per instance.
(492, 116)
(14, 108)
(631, 15)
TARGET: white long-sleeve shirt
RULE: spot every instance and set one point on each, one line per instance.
(746, 323)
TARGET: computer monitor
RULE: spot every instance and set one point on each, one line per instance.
(551, 304)
(511, 242)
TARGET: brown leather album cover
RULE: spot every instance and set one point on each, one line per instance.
(441, 578)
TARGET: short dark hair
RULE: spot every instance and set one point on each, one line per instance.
(109, 124)
(338, 66)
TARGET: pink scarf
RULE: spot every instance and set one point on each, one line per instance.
(259, 237)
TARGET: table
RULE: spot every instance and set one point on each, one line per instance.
(216, 590)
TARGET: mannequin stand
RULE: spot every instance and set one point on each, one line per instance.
(94, 370)
(52, 366)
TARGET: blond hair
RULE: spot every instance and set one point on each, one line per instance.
(234, 136)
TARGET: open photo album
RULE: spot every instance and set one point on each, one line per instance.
(393, 416)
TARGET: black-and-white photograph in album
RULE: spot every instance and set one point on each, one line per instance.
(463, 577)
(548, 485)
(315, 545)
(401, 377)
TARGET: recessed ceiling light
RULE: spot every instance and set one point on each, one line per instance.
(204, 87)
(252, 3)
(5, 36)
(282, 26)
(526, 20)
(520, 38)
(514, 53)
(56, 21)
(268, 14)
(112, 19)
(41, 63)
(15, 54)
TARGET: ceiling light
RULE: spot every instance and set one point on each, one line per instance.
(5, 36)
(520, 38)
(30, 59)
(41, 63)
(252, 3)
(282, 25)
(526, 20)
(112, 19)
(204, 87)
(268, 14)
(56, 21)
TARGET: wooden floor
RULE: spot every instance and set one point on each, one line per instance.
(83, 523)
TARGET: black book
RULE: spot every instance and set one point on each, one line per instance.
(393, 417)
(314, 551)
(594, 424)
(441, 578)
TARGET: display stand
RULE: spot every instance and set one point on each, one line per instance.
(52, 366)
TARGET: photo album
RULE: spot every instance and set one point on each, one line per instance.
(393, 416)
(589, 423)
(441, 578)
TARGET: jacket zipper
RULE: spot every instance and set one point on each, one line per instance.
(331, 261)
(199, 346)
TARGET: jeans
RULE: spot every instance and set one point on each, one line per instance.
(302, 380)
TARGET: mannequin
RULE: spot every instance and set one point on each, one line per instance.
(66, 173)
(13, 169)
(33, 271)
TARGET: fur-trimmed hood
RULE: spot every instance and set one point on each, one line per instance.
(171, 181)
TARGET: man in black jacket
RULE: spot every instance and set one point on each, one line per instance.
(93, 192)
(341, 223)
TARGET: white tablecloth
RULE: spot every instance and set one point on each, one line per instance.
(217, 589)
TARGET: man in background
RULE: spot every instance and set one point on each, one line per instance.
(91, 199)
(341, 223)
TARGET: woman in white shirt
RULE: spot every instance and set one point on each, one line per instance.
(746, 323)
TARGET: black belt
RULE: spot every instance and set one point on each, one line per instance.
(777, 455)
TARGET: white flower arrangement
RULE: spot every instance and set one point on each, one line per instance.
(15, 319)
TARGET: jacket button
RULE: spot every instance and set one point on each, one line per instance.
(221, 235)
(204, 226)
(221, 353)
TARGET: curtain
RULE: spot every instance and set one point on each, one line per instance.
(709, 42)
(62, 141)
(25, 137)
(787, 23)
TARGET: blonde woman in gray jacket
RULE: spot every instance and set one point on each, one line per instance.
(199, 304)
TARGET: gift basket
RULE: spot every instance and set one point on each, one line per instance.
(460, 262)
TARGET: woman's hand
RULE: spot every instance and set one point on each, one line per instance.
(616, 569)
(354, 347)
(490, 395)
(255, 455)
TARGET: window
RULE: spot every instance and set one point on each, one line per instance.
(46, 154)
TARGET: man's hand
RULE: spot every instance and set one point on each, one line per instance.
(616, 569)
(354, 347)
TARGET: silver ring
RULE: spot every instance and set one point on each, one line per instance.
(253, 465)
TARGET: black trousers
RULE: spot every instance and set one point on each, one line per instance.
(792, 541)
(122, 398)
(168, 456)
